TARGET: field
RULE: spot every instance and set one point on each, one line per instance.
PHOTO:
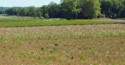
(61, 43)
(14, 21)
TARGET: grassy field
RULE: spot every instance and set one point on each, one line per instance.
(53, 23)
(63, 45)
(14, 21)
(58, 42)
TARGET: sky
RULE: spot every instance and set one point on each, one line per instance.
(26, 3)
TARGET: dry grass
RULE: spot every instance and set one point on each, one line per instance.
(63, 45)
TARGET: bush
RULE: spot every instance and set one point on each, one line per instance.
(101, 16)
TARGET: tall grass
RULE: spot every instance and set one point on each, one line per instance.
(63, 45)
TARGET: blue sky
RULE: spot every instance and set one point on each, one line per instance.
(25, 3)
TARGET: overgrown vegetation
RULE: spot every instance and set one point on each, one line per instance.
(42, 35)
(63, 45)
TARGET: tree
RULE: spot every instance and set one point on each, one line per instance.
(122, 14)
(32, 12)
(73, 9)
(53, 10)
(24, 12)
(44, 11)
(111, 8)
(70, 8)
(90, 8)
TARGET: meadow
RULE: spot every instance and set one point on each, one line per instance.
(82, 42)
(14, 21)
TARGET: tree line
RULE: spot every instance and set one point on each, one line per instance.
(74, 9)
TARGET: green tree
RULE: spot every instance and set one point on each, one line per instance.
(111, 8)
(53, 10)
(122, 14)
(44, 11)
(33, 12)
(90, 8)
(70, 8)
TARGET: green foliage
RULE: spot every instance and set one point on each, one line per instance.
(44, 11)
(73, 9)
(52, 23)
(82, 57)
(53, 10)
(90, 8)
(85, 48)
(70, 7)
(112, 8)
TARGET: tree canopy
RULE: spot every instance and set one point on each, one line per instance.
(73, 9)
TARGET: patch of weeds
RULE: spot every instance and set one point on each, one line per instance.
(108, 34)
(92, 52)
(50, 58)
(54, 50)
(46, 59)
(69, 64)
(15, 48)
(49, 38)
(51, 51)
(122, 42)
(85, 48)
(96, 64)
(30, 42)
(36, 56)
(65, 45)
(114, 64)
(72, 57)
(121, 34)
(56, 44)
(2, 38)
(82, 57)
(32, 55)
(3, 56)
(42, 49)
